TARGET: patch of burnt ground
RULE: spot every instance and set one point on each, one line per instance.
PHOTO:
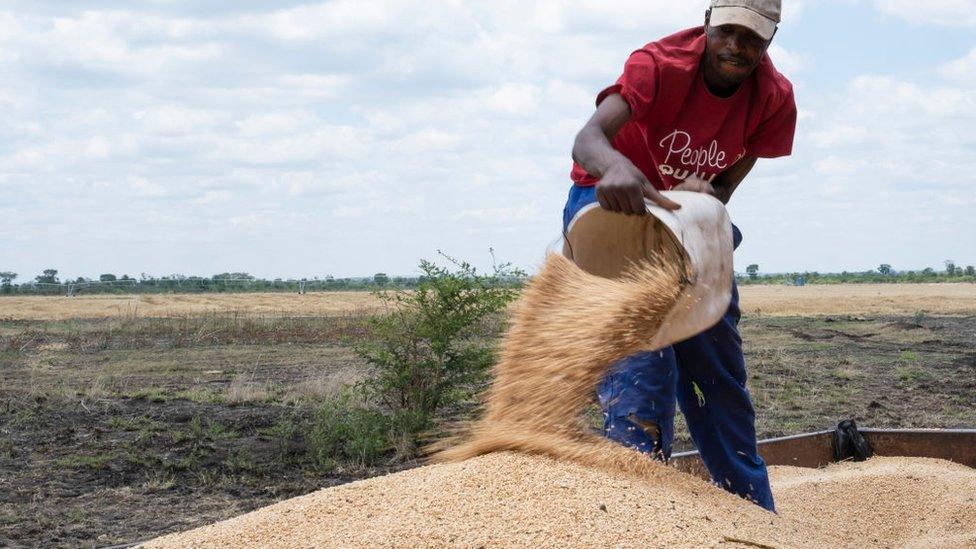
(123, 469)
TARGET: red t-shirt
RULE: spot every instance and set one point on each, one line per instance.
(678, 128)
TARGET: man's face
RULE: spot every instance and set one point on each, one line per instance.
(732, 53)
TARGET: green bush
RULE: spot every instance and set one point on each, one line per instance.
(433, 347)
(344, 432)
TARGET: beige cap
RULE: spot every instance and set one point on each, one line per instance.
(699, 236)
(761, 16)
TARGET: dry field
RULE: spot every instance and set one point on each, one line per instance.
(127, 417)
(176, 305)
(859, 299)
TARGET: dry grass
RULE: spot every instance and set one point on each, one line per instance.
(322, 386)
(244, 390)
(178, 305)
(857, 299)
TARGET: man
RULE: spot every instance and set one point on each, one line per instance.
(692, 111)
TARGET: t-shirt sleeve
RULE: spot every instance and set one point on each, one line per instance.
(637, 85)
(774, 135)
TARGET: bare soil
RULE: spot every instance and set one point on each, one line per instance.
(111, 431)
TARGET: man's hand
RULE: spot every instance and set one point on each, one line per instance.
(695, 184)
(623, 189)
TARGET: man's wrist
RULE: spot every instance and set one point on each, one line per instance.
(721, 192)
(611, 161)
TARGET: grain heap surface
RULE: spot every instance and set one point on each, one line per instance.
(508, 499)
(884, 502)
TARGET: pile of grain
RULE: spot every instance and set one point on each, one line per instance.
(889, 502)
(508, 499)
(578, 489)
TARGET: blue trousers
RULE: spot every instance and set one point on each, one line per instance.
(706, 375)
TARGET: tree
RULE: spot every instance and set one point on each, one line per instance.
(381, 279)
(950, 267)
(50, 276)
(233, 276)
(753, 271)
(6, 277)
(107, 278)
(970, 270)
(884, 269)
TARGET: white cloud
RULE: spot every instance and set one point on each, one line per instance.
(213, 197)
(341, 126)
(840, 135)
(786, 61)
(501, 215)
(427, 141)
(629, 14)
(517, 99)
(114, 40)
(883, 161)
(838, 166)
(323, 142)
(275, 123)
(950, 13)
(144, 187)
(255, 220)
(793, 11)
(334, 19)
(178, 119)
(962, 70)
(317, 86)
(886, 95)
(98, 148)
(385, 122)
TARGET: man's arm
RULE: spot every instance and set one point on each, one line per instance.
(724, 184)
(592, 149)
(622, 186)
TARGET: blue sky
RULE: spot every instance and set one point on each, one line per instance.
(355, 136)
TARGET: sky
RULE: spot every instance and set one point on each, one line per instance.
(349, 137)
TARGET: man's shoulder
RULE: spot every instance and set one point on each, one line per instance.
(771, 82)
(682, 38)
(679, 52)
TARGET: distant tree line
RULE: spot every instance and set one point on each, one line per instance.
(48, 283)
(883, 274)
(240, 282)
